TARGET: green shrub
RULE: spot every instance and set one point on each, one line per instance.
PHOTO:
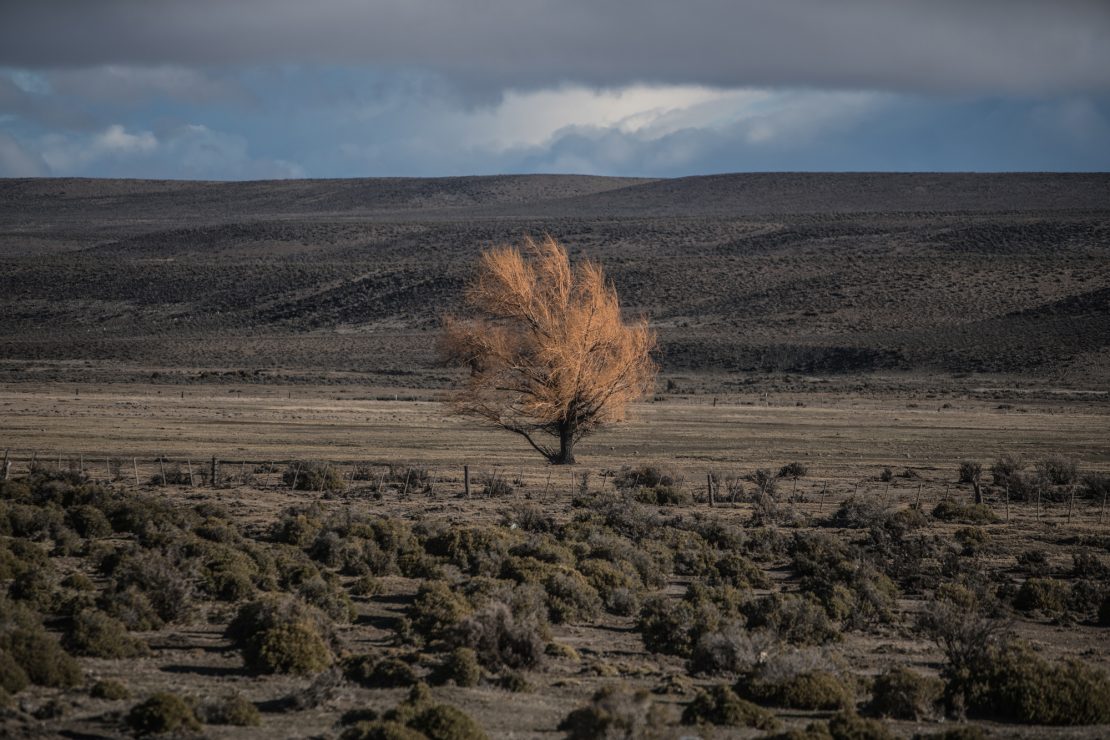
(614, 713)
(793, 470)
(89, 522)
(950, 511)
(1045, 595)
(436, 609)
(372, 672)
(94, 633)
(381, 731)
(161, 713)
(1034, 562)
(795, 619)
(296, 528)
(13, 678)
(500, 639)
(903, 694)
(570, 597)
(164, 583)
(1010, 681)
(40, 656)
(1059, 470)
(478, 551)
(109, 690)
(970, 471)
(617, 583)
(719, 705)
(847, 725)
(443, 722)
(281, 636)
(733, 569)
(460, 667)
(366, 586)
(36, 588)
(232, 710)
(808, 690)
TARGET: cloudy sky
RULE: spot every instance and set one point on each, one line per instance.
(250, 89)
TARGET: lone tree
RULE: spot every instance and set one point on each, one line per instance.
(548, 351)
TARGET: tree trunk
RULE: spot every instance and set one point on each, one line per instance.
(565, 455)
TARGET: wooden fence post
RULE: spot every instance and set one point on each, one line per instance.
(7, 464)
(709, 486)
(1007, 501)
(466, 480)
(189, 467)
(135, 468)
(296, 474)
(1071, 503)
(405, 488)
(215, 473)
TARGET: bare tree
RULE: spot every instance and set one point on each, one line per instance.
(547, 347)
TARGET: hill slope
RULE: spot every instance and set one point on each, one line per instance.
(805, 273)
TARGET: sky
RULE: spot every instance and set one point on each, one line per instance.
(261, 89)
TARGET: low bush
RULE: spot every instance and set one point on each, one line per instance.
(383, 730)
(847, 725)
(436, 609)
(570, 597)
(460, 667)
(297, 528)
(379, 673)
(1005, 468)
(951, 511)
(92, 632)
(797, 620)
(89, 522)
(13, 678)
(1045, 595)
(731, 649)
(500, 639)
(808, 690)
(719, 705)
(793, 470)
(1059, 470)
(615, 713)
(41, 657)
(970, 471)
(444, 722)
(1033, 562)
(282, 635)
(163, 713)
(1009, 681)
(902, 694)
(109, 690)
(232, 710)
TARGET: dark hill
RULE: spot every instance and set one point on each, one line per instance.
(821, 274)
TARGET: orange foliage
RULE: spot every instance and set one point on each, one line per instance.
(547, 348)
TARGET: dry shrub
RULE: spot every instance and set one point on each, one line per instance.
(970, 471)
(109, 690)
(460, 667)
(500, 639)
(616, 713)
(1059, 470)
(797, 620)
(903, 694)
(231, 710)
(378, 673)
(731, 649)
(719, 705)
(951, 511)
(807, 690)
(282, 635)
(436, 610)
(94, 633)
(162, 713)
(40, 656)
(570, 597)
(1045, 595)
(474, 550)
(444, 722)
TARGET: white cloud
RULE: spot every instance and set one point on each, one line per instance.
(189, 151)
(15, 161)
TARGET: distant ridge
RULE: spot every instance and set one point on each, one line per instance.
(552, 196)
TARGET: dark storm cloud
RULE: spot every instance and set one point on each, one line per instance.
(977, 46)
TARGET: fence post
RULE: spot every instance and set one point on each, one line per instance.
(7, 464)
(466, 480)
(135, 468)
(162, 467)
(709, 485)
(189, 467)
(215, 471)
(1007, 501)
(296, 474)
